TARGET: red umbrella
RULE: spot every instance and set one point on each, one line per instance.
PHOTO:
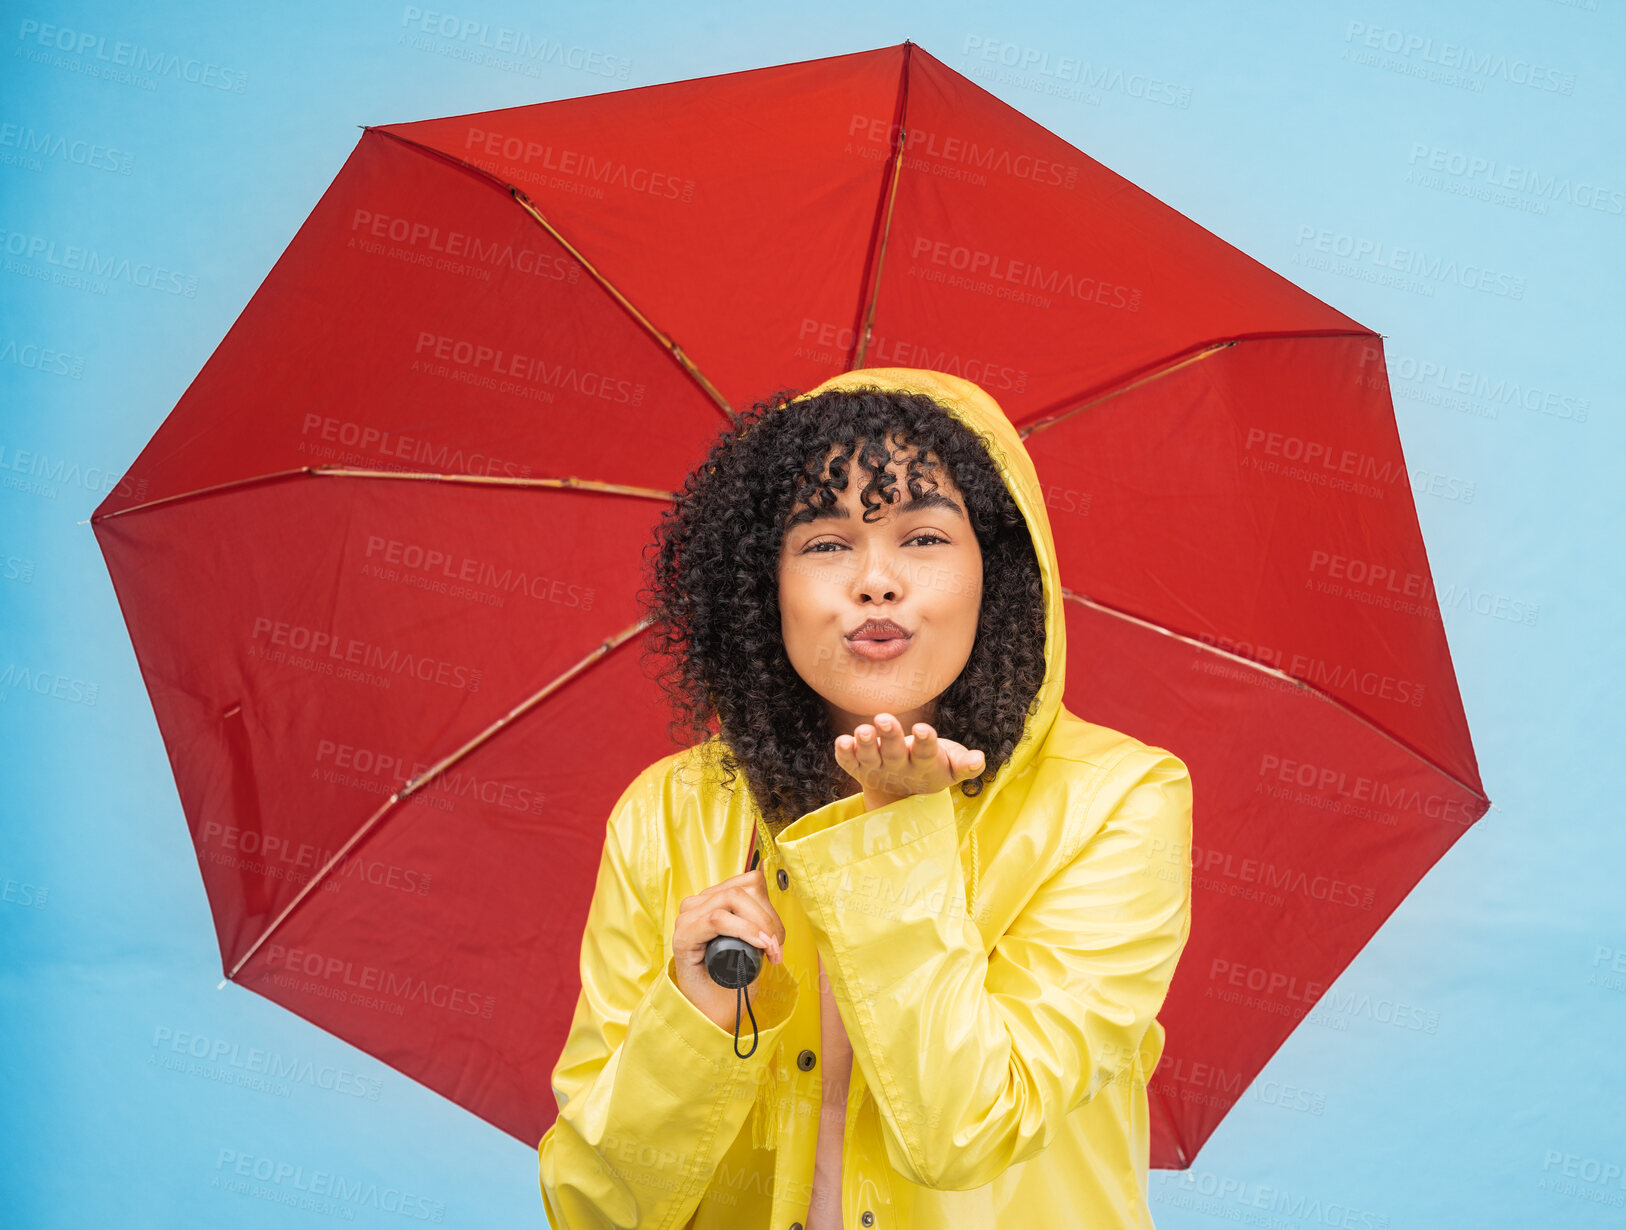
(380, 575)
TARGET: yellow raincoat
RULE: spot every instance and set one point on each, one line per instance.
(998, 962)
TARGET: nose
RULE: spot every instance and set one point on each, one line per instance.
(878, 579)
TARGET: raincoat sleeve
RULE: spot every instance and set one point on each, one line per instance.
(974, 1057)
(650, 1091)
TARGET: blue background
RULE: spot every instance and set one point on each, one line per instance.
(1465, 1070)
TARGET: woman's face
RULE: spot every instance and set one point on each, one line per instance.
(918, 566)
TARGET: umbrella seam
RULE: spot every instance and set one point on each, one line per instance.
(1163, 367)
(1069, 595)
(412, 786)
(517, 194)
(569, 482)
(883, 223)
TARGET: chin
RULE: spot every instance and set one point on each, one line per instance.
(868, 704)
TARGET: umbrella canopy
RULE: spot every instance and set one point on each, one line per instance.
(380, 564)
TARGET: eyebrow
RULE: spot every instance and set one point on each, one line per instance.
(838, 512)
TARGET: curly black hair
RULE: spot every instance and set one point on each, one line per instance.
(712, 590)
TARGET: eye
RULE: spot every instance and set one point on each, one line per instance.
(928, 536)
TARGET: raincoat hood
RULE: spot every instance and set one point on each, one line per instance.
(976, 409)
(998, 962)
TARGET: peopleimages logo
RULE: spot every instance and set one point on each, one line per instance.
(42, 359)
(1014, 279)
(828, 343)
(1369, 575)
(1363, 252)
(65, 473)
(459, 245)
(462, 568)
(498, 363)
(1460, 58)
(1333, 784)
(319, 1191)
(1269, 983)
(926, 146)
(1327, 675)
(222, 1054)
(1476, 392)
(30, 143)
(1296, 880)
(88, 262)
(1489, 173)
(383, 773)
(1322, 455)
(1055, 74)
(282, 858)
(91, 47)
(529, 51)
(1254, 1204)
(378, 442)
(399, 988)
(592, 169)
(314, 648)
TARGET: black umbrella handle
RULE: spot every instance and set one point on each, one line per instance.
(734, 963)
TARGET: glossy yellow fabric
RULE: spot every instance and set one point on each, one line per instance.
(999, 963)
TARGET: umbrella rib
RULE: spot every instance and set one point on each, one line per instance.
(417, 783)
(478, 480)
(882, 229)
(1302, 684)
(671, 347)
(1193, 354)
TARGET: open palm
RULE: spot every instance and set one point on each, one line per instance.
(889, 764)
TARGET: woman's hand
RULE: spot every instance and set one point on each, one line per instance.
(890, 765)
(738, 906)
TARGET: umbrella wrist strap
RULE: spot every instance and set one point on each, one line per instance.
(739, 993)
(739, 996)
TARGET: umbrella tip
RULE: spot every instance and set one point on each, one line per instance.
(222, 985)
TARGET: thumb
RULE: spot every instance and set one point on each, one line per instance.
(971, 764)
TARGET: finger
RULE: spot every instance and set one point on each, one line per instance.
(887, 735)
(744, 880)
(736, 917)
(925, 744)
(895, 754)
(894, 746)
(759, 894)
(756, 906)
(722, 921)
(971, 764)
(869, 747)
(847, 752)
(734, 892)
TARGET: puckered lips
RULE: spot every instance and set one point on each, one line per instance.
(877, 640)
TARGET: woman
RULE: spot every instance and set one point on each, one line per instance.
(966, 939)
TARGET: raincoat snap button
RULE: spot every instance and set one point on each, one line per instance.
(868, 1218)
(784, 880)
(806, 1060)
(795, 1225)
